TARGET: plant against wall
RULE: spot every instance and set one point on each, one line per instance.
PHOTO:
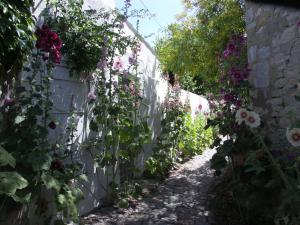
(29, 163)
(261, 183)
(181, 136)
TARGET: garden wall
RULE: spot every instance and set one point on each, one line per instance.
(274, 58)
(71, 94)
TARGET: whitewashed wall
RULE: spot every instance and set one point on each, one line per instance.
(69, 92)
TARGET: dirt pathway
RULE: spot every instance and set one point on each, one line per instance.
(180, 200)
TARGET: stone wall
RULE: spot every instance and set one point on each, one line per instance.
(274, 58)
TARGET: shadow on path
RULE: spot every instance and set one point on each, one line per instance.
(180, 200)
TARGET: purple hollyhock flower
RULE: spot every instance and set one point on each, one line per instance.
(131, 60)
(52, 125)
(238, 103)
(228, 97)
(238, 76)
(226, 53)
(231, 47)
(8, 101)
(298, 24)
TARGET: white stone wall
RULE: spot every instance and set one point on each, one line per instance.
(69, 92)
(274, 58)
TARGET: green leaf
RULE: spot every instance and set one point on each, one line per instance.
(297, 98)
(19, 119)
(6, 158)
(24, 200)
(10, 182)
(39, 160)
(50, 182)
(83, 177)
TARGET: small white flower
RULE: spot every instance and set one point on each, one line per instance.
(293, 136)
(253, 120)
(241, 116)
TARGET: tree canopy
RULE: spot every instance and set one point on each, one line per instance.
(191, 47)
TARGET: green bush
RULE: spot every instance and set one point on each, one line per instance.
(194, 138)
(182, 137)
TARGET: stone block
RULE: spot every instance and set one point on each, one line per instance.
(275, 101)
(264, 53)
(288, 34)
(262, 75)
(280, 83)
(252, 54)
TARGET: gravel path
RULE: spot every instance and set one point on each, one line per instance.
(180, 200)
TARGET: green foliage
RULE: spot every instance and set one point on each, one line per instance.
(17, 36)
(192, 46)
(83, 36)
(181, 137)
(194, 139)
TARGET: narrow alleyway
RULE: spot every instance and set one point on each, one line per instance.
(180, 200)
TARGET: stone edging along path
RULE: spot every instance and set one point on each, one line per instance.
(180, 200)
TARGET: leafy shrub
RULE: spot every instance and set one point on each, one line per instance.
(194, 139)
(182, 137)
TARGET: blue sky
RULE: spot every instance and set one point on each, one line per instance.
(164, 10)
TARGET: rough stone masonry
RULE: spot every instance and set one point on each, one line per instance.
(274, 59)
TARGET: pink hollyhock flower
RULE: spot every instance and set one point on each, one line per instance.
(92, 96)
(132, 87)
(118, 64)
(293, 136)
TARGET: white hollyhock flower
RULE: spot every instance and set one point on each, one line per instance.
(241, 116)
(253, 120)
(293, 136)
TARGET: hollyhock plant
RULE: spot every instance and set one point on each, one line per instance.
(253, 120)
(293, 136)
